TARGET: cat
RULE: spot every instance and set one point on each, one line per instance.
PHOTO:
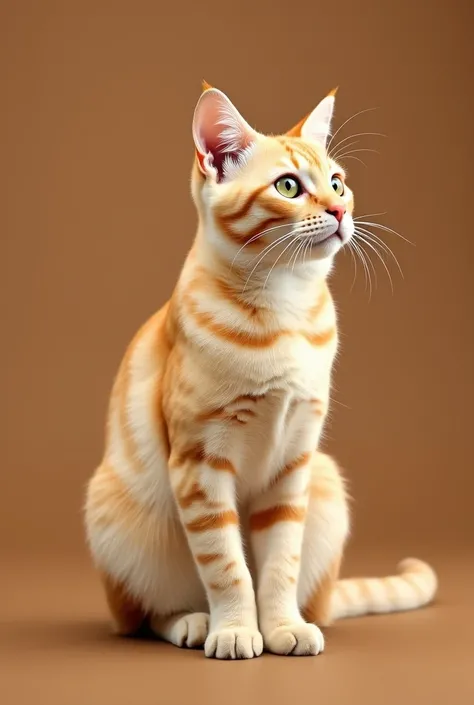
(213, 517)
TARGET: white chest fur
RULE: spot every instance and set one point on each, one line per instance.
(275, 421)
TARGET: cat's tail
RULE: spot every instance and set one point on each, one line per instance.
(414, 586)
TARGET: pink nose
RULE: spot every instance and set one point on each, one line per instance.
(337, 212)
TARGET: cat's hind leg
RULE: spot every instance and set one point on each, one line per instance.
(127, 614)
(145, 564)
(326, 531)
(185, 629)
(322, 597)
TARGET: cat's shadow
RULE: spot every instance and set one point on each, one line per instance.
(86, 633)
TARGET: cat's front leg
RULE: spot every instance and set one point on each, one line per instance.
(205, 494)
(277, 522)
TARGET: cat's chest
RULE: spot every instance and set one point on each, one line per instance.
(270, 407)
(264, 432)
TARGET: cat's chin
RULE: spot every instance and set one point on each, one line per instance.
(324, 249)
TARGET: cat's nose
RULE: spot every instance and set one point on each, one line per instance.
(337, 212)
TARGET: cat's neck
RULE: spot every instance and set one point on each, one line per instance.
(278, 290)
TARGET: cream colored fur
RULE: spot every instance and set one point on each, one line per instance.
(212, 497)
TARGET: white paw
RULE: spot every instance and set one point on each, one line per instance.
(234, 643)
(191, 630)
(296, 640)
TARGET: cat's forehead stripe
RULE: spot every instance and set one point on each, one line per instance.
(294, 161)
(308, 153)
(301, 153)
(288, 147)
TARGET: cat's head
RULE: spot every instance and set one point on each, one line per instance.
(266, 196)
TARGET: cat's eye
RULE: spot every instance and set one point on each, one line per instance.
(288, 186)
(338, 185)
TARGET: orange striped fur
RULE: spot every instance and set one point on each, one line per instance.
(216, 413)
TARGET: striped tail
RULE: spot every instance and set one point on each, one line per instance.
(413, 587)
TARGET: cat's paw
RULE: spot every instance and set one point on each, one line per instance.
(299, 639)
(234, 643)
(190, 630)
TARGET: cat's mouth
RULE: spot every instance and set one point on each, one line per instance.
(319, 242)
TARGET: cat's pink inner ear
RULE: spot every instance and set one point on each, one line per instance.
(317, 125)
(219, 131)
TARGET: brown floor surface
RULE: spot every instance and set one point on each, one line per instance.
(56, 649)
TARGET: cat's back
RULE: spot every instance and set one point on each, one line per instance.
(129, 493)
(137, 438)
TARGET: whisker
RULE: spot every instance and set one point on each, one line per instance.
(386, 228)
(266, 251)
(295, 242)
(303, 241)
(380, 258)
(354, 260)
(336, 401)
(366, 256)
(367, 110)
(376, 239)
(276, 262)
(355, 249)
(368, 215)
(269, 247)
(360, 253)
(336, 152)
(256, 237)
(361, 149)
(356, 158)
(357, 134)
(369, 260)
(295, 254)
(305, 251)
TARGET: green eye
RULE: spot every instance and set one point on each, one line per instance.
(337, 185)
(288, 186)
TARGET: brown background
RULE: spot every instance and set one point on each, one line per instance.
(96, 220)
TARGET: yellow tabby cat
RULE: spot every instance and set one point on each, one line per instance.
(213, 517)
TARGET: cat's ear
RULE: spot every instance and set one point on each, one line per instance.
(205, 85)
(219, 131)
(317, 125)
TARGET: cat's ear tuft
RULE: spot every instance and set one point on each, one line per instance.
(317, 125)
(205, 85)
(220, 133)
